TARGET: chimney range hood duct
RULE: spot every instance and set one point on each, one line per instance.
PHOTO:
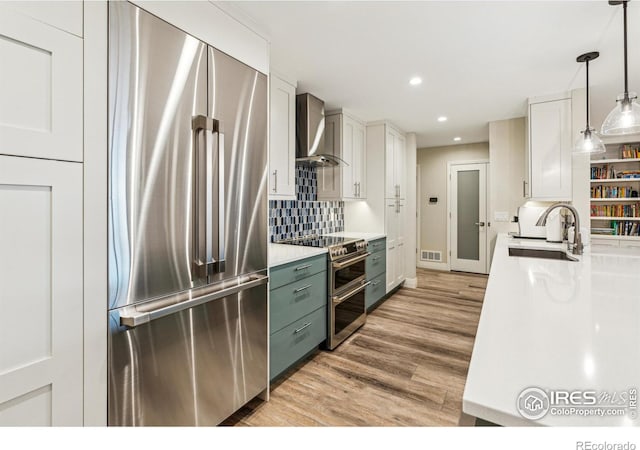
(310, 148)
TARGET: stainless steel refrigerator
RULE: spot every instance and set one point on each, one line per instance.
(187, 226)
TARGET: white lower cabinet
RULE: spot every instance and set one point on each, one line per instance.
(395, 224)
(41, 337)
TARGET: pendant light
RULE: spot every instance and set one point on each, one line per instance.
(588, 141)
(625, 117)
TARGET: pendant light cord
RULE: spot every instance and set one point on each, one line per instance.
(587, 67)
(626, 70)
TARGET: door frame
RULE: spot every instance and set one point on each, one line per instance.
(450, 165)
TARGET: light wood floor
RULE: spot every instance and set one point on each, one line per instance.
(406, 366)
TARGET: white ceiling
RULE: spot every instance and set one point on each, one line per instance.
(479, 60)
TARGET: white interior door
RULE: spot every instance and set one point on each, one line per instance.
(468, 211)
(40, 292)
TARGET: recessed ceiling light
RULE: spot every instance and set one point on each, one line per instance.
(442, 119)
(415, 81)
(457, 138)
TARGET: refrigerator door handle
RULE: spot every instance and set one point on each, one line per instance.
(133, 316)
(219, 264)
(202, 126)
(210, 251)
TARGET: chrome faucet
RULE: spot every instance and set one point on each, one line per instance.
(576, 247)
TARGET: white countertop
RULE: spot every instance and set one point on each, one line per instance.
(359, 235)
(556, 325)
(285, 253)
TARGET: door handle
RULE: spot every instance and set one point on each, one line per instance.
(135, 315)
(202, 196)
(342, 264)
(221, 253)
(306, 325)
(275, 180)
(337, 300)
(303, 288)
(480, 224)
(209, 251)
(355, 189)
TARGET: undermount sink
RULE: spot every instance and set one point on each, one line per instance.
(539, 253)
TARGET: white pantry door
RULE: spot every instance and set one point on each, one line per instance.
(40, 292)
(468, 202)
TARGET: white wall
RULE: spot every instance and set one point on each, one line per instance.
(507, 153)
(411, 207)
(432, 164)
(581, 164)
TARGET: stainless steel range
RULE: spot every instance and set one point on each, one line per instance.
(347, 283)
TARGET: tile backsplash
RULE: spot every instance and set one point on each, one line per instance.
(305, 215)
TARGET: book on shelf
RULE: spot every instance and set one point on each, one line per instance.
(618, 228)
(613, 192)
(629, 210)
(630, 151)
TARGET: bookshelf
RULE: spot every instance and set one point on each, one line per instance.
(615, 191)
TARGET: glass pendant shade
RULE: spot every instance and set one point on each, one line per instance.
(624, 118)
(588, 142)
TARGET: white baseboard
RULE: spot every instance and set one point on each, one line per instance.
(411, 283)
(434, 265)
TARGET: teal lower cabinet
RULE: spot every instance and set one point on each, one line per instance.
(376, 266)
(297, 311)
(375, 291)
(296, 340)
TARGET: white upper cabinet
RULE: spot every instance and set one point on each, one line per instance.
(345, 137)
(395, 164)
(65, 15)
(40, 89)
(550, 147)
(282, 143)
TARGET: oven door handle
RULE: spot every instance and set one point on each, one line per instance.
(338, 300)
(342, 265)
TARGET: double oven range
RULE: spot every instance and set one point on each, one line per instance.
(346, 261)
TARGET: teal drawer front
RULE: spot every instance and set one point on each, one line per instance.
(375, 291)
(377, 246)
(296, 340)
(376, 264)
(288, 273)
(292, 301)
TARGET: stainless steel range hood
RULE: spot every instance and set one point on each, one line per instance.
(310, 148)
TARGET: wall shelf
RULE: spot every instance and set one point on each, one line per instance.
(611, 161)
(616, 237)
(615, 165)
(615, 180)
(614, 199)
(631, 219)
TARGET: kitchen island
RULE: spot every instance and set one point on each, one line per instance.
(558, 326)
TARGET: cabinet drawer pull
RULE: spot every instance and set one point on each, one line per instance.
(375, 258)
(302, 328)
(303, 288)
(375, 283)
(306, 266)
